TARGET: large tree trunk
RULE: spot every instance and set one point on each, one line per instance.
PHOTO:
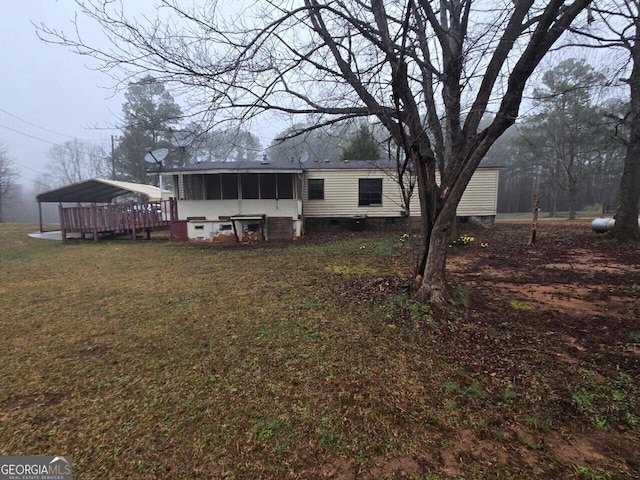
(554, 202)
(433, 284)
(626, 226)
(437, 225)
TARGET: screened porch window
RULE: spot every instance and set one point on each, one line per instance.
(229, 186)
(250, 183)
(193, 187)
(224, 186)
(268, 186)
(285, 186)
(213, 187)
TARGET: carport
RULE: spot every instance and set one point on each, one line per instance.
(102, 216)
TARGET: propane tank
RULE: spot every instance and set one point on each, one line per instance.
(601, 225)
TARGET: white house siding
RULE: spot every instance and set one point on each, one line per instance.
(341, 194)
(481, 196)
(480, 199)
(213, 209)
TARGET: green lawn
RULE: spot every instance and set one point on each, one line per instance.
(151, 359)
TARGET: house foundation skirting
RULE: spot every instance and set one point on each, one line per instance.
(382, 224)
(354, 223)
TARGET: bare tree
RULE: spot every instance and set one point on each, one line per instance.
(75, 161)
(427, 71)
(324, 143)
(616, 24)
(8, 177)
(619, 26)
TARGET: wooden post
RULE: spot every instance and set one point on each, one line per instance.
(174, 209)
(94, 221)
(235, 230)
(534, 226)
(132, 217)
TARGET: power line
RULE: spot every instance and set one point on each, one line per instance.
(28, 168)
(33, 180)
(49, 130)
(28, 135)
(34, 125)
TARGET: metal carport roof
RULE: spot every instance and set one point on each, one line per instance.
(98, 190)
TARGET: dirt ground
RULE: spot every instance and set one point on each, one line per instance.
(558, 323)
(579, 293)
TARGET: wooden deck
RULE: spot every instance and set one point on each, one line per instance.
(125, 219)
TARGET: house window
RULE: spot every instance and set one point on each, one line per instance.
(316, 188)
(370, 192)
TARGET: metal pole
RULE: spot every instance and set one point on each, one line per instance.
(40, 215)
(113, 160)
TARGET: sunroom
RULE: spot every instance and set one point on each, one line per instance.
(244, 201)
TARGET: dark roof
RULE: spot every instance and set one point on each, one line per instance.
(244, 166)
(98, 190)
(289, 166)
(275, 166)
(350, 165)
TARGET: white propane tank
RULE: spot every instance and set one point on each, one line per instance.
(601, 225)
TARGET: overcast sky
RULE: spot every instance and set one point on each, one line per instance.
(49, 94)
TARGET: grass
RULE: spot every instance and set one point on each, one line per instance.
(158, 360)
(519, 305)
(587, 473)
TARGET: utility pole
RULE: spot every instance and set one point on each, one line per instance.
(113, 160)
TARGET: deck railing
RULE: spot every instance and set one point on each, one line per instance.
(130, 218)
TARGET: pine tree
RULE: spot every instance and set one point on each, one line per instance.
(363, 146)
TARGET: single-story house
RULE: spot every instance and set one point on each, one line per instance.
(276, 199)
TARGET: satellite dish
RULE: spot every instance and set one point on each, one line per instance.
(304, 157)
(157, 155)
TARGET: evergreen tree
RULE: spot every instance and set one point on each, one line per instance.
(569, 133)
(363, 146)
(150, 113)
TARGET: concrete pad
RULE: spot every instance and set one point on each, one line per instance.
(53, 235)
